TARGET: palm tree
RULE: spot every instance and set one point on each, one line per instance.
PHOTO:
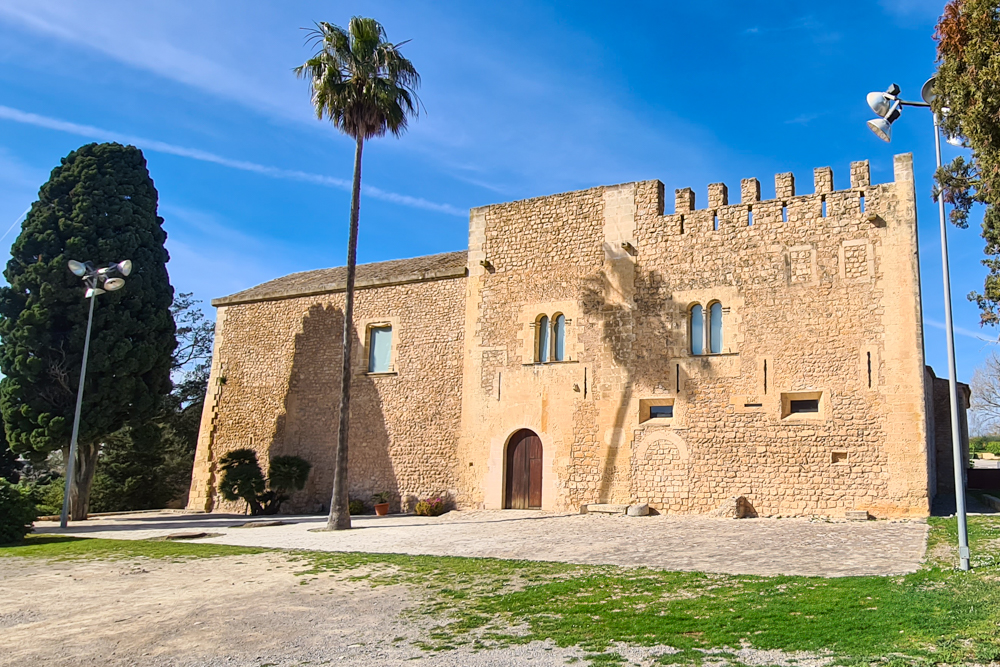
(366, 88)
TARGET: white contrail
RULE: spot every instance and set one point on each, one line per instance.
(961, 331)
(90, 132)
(19, 219)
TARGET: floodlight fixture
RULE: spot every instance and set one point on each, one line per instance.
(92, 277)
(882, 129)
(880, 103)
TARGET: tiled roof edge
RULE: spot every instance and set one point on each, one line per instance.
(341, 286)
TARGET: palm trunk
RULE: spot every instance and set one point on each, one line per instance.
(340, 517)
(83, 479)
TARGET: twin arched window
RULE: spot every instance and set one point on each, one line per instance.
(550, 338)
(703, 338)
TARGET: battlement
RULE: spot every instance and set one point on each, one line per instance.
(854, 204)
(784, 187)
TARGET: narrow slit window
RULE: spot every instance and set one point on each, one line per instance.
(559, 338)
(765, 376)
(542, 349)
(715, 328)
(677, 377)
(682, 224)
(784, 214)
(824, 207)
(803, 406)
(697, 330)
(380, 349)
(861, 202)
(869, 370)
(749, 217)
(715, 222)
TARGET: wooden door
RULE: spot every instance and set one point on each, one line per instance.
(524, 471)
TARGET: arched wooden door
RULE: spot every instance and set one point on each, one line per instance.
(524, 471)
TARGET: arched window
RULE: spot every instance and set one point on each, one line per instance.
(715, 328)
(697, 329)
(559, 338)
(542, 347)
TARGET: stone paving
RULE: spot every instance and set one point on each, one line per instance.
(746, 546)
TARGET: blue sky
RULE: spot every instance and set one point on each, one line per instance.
(523, 99)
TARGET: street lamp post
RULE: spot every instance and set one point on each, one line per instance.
(888, 106)
(92, 276)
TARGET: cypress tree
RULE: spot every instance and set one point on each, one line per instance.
(99, 205)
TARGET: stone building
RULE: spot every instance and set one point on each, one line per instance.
(588, 347)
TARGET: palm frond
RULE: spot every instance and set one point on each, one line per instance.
(360, 81)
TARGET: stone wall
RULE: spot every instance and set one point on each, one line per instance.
(941, 430)
(820, 300)
(275, 387)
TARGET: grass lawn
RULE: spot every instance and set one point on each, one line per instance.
(934, 616)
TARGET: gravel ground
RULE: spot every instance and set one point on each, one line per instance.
(706, 544)
(247, 611)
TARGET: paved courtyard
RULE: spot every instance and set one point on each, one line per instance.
(746, 546)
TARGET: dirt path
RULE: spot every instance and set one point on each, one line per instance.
(241, 611)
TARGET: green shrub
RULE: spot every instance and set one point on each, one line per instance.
(984, 443)
(288, 473)
(380, 497)
(356, 507)
(242, 479)
(17, 513)
(430, 507)
(46, 495)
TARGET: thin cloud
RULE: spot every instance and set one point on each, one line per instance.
(962, 332)
(90, 132)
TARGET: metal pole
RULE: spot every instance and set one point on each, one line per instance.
(956, 431)
(76, 418)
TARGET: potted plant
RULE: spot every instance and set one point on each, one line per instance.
(381, 500)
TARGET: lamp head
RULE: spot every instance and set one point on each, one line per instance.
(927, 91)
(882, 129)
(879, 103)
(125, 267)
(112, 284)
(77, 268)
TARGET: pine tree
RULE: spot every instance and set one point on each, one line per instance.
(968, 99)
(99, 205)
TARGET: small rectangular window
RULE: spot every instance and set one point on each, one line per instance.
(661, 411)
(804, 405)
(380, 349)
(655, 408)
(799, 405)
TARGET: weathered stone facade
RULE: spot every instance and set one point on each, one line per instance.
(814, 401)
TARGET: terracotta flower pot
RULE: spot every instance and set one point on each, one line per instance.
(381, 509)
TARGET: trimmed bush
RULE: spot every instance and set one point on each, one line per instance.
(356, 507)
(17, 513)
(242, 479)
(430, 507)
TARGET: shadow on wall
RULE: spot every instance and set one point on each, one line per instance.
(308, 425)
(622, 325)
